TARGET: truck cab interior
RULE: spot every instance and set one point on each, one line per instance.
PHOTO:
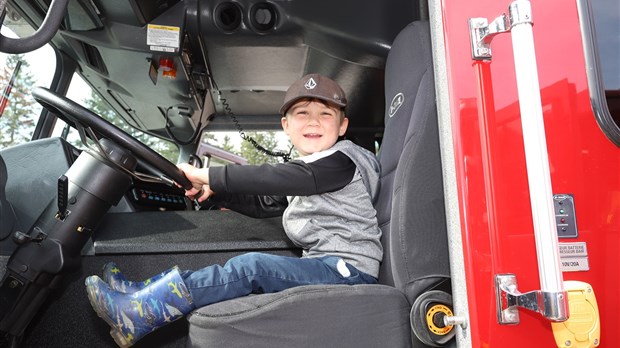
(83, 191)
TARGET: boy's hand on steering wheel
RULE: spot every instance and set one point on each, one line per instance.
(199, 177)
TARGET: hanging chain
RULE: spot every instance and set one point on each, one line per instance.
(285, 156)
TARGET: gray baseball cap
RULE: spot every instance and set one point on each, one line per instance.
(314, 86)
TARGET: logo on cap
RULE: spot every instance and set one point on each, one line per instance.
(397, 101)
(310, 84)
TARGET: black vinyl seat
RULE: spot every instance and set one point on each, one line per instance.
(410, 210)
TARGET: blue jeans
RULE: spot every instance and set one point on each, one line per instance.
(257, 273)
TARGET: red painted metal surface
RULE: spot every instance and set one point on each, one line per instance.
(496, 217)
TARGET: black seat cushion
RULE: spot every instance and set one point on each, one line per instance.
(306, 316)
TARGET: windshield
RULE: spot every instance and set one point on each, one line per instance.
(19, 112)
(80, 92)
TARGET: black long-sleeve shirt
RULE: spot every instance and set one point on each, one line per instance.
(260, 191)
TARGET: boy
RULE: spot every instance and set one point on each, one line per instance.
(325, 198)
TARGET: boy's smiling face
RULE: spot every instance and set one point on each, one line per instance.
(313, 125)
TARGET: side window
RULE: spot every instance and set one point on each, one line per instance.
(601, 31)
(19, 73)
(221, 148)
(607, 23)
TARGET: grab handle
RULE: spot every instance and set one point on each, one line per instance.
(551, 300)
(43, 35)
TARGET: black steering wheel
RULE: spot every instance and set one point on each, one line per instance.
(71, 112)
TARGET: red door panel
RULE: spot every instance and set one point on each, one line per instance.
(496, 217)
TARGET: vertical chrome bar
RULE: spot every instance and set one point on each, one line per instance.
(537, 160)
(551, 301)
(453, 213)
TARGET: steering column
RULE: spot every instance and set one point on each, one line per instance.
(52, 248)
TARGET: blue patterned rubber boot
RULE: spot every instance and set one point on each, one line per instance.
(117, 280)
(132, 316)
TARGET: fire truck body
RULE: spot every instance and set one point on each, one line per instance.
(495, 213)
(529, 131)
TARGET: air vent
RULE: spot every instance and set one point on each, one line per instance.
(93, 58)
(263, 17)
(228, 16)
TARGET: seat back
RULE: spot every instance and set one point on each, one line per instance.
(410, 207)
